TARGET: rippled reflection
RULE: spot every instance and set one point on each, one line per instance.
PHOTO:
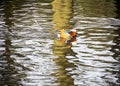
(62, 74)
(96, 32)
(8, 71)
(96, 8)
(32, 56)
(61, 48)
(116, 50)
(22, 46)
(62, 14)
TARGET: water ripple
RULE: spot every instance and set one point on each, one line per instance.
(27, 46)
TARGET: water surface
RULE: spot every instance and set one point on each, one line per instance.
(29, 55)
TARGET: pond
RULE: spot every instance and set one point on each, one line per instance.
(29, 51)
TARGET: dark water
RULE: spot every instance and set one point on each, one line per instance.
(29, 55)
